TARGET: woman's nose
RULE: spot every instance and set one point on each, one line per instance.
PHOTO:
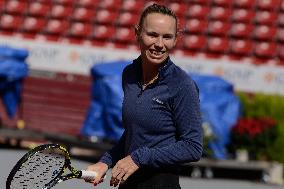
(159, 42)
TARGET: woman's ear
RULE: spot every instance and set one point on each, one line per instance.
(177, 38)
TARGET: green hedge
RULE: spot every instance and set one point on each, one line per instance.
(262, 105)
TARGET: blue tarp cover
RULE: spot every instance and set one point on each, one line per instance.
(219, 105)
(220, 108)
(13, 69)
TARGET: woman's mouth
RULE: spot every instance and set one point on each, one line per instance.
(156, 53)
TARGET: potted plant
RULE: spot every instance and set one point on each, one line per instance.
(255, 135)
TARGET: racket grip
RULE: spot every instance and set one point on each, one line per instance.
(88, 175)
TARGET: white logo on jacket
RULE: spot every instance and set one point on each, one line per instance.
(158, 100)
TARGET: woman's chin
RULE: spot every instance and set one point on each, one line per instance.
(156, 59)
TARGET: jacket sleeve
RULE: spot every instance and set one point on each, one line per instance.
(116, 153)
(188, 147)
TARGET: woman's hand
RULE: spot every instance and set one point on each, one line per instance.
(122, 170)
(101, 169)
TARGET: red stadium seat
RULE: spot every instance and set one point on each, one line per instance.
(219, 13)
(281, 7)
(241, 30)
(10, 22)
(218, 28)
(280, 19)
(280, 51)
(264, 32)
(124, 35)
(56, 27)
(178, 7)
(87, 3)
(132, 5)
(80, 30)
(248, 4)
(196, 25)
(47, 2)
(242, 15)
(280, 35)
(181, 23)
(197, 11)
(78, 33)
(280, 62)
(38, 9)
(2, 2)
(179, 43)
(105, 16)
(241, 47)
(127, 19)
(217, 45)
(267, 4)
(33, 24)
(64, 2)
(15, 7)
(223, 3)
(98, 42)
(82, 14)
(110, 4)
(61, 11)
(265, 49)
(102, 32)
(194, 42)
(265, 17)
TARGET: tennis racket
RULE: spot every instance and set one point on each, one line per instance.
(43, 167)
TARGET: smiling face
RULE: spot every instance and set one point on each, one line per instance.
(156, 37)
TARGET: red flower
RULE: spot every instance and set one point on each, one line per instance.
(253, 133)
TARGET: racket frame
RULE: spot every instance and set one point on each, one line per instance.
(59, 177)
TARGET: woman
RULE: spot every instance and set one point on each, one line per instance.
(160, 113)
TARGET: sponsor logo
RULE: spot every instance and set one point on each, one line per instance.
(158, 100)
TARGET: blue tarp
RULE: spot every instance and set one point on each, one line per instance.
(219, 105)
(13, 69)
(104, 115)
(220, 108)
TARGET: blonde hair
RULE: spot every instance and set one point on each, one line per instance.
(154, 8)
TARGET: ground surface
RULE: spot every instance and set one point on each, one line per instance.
(9, 157)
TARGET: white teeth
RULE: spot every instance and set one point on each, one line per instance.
(156, 52)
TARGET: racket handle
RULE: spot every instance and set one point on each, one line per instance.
(88, 175)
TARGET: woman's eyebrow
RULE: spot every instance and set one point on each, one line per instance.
(155, 33)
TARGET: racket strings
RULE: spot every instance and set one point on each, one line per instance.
(41, 168)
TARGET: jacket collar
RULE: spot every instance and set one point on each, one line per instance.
(162, 70)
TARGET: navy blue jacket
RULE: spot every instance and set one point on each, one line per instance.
(162, 122)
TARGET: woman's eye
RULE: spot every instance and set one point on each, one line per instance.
(153, 35)
(168, 37)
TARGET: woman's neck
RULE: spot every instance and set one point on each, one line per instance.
(150, 72)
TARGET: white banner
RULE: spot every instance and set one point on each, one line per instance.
(244, 75)
(67, 58)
